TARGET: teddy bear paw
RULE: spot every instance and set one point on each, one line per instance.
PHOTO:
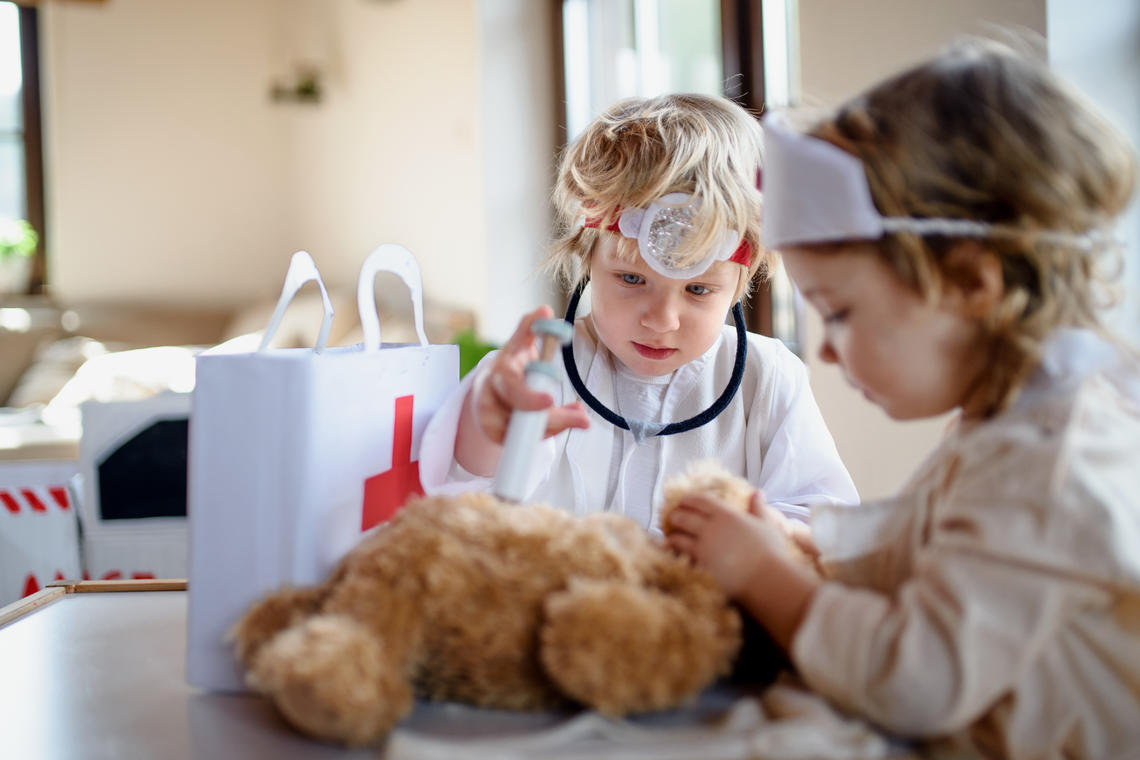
(330, 678)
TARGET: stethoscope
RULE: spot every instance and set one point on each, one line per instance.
(697, 420)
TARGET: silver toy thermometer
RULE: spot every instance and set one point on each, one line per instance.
(525, 429)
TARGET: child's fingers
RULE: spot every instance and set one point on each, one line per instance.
(682, 543)
(801, 537)
(701, 504)
(490, 411)
(512, 392)
(564, 417)
(757, 503)
(523, 339)
(492, 417)
(684, 520)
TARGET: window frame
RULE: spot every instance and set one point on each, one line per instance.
(742, 59)
(32, 134)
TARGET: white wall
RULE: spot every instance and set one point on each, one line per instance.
(393, 153)
(166, 164)
(1100, 53)
(845, 47)
(172, 177)
(518, 152)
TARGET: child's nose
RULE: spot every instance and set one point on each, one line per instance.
(661, 315)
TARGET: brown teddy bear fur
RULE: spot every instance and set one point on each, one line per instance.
(472, 599)
(707, 477)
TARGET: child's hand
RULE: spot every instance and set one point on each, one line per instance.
(751, 557)
(502, 388)
(735, 547)
(800, 536)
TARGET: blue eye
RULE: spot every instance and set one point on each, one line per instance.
(631, 279)
(699, 290)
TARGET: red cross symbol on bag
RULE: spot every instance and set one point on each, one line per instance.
(385, 493)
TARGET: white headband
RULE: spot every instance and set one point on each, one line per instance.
(660, 229)
(816, 193)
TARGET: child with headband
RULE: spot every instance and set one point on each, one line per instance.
(948, 226)
(659, 214)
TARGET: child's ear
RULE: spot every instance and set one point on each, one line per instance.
(974, 278)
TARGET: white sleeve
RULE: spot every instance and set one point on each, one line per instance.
(800, 465)
(439, 472)
(935, 656)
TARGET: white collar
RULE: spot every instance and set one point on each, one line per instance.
(1071, 354)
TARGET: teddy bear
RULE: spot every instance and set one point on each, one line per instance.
(469, 598)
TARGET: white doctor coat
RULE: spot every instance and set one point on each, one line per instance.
(771, 433)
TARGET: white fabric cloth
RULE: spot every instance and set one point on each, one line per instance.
(996, 600)
(772, 434)
(639, 397)
(786, 722)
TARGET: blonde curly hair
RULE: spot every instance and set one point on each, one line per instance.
(985, 133)
(643, 148)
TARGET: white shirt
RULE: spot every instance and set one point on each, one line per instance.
(772, 434)
(639, 397)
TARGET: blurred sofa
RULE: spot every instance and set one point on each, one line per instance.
(53, 357)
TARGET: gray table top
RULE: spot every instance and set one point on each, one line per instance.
(101, 675)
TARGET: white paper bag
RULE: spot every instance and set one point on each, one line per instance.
(294, 452)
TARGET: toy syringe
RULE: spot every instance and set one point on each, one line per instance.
(525, 429)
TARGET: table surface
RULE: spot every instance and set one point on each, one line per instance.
(101, 675)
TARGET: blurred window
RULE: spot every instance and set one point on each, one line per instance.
(617, 49)
(21, 154)
(13, 196)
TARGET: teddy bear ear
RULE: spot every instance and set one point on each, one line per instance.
(711, 476)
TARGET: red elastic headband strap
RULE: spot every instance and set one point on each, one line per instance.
(594, 222)
(742, 254)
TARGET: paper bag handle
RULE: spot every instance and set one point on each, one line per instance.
(301, 270)
(399, 261)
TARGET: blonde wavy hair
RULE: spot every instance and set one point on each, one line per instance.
(643, 148)
(983, 132)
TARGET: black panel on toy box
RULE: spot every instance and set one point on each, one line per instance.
(146, 476)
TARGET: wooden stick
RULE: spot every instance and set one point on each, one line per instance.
(57, 589)
(129, 584)
(21, 607)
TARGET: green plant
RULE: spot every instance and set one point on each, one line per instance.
(471, 350)
(18, 239)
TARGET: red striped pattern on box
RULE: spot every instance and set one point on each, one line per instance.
(37, 499)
